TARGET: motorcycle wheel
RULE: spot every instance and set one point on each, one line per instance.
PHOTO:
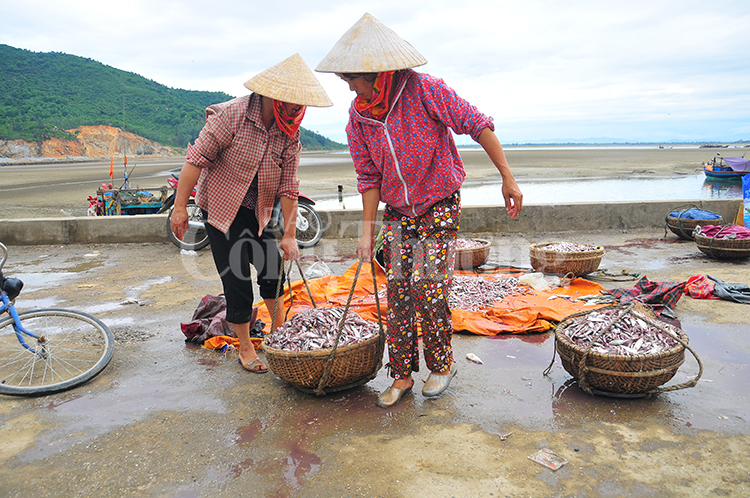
(309, 225)
(196, 237)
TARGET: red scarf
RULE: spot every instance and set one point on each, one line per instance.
(287, 124)
(380, 102)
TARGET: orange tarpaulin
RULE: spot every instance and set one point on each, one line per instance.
(219, 341)
(515, 314)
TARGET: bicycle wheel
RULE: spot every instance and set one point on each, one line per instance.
(195, 238)
(70, 349)
(309, 226)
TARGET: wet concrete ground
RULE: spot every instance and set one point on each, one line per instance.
(169, 419)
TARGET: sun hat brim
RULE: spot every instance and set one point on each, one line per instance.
(291, 80)
(370, 47)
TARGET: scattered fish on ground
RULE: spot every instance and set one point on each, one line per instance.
(474, 358)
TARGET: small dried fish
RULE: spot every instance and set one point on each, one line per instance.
(474, 358)
(317, 328)
(630, 335)
(568, 247)
(475, 293)
(468, 244)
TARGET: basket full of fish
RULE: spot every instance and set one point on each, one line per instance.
(306, 346)
(471, 253)
(565, 258)
(622, 350)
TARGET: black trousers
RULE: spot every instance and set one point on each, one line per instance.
(233, 254)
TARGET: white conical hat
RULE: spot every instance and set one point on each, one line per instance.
(370, 47)
(291, 80)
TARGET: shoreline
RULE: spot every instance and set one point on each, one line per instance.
(61, 188)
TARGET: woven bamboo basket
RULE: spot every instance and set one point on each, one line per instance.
(604, 373)
(468, 259)
(563, 263)
(683, 227)
(722, 248)
(352, 365)
(332, 369)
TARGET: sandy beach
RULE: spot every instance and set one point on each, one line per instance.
(60, 189)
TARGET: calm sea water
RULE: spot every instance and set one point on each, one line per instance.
(692, 187)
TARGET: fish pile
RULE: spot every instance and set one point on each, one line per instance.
(468, 244)
(317, 328)
(476, 293)
(632, 334)
(568, 247)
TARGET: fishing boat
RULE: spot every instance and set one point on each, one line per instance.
(729, 168)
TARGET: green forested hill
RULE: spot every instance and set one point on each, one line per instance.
(43, 94)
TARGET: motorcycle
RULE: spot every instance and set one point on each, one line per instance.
(309, 224)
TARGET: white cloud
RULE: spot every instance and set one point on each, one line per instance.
(639, 70)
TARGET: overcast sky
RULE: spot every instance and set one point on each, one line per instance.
(640, 71)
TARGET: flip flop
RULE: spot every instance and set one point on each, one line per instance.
(252, 366)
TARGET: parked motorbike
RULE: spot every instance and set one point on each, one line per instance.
(309, 225)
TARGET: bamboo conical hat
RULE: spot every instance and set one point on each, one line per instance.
(370, 47)
(291, 80)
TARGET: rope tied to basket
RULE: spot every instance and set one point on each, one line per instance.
(583, 367)
(381, 334)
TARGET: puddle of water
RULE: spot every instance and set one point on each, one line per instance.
(42, 280)
(102, 308)
(114, 322)
(300, 464)
(718, 402)
(31, 304)
(584, 190)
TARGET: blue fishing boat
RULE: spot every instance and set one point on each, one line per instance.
(728, 168)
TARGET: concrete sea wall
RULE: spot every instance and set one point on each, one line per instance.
(347, 223)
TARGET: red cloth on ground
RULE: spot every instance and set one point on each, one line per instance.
(700, 287)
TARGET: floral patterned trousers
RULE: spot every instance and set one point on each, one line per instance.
(419, 254)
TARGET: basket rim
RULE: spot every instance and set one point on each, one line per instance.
(539, 246)
(700, 236)
(485, 246)
(318, 353)
(677, 349)
(675, 218)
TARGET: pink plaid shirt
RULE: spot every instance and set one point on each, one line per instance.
(232, 147)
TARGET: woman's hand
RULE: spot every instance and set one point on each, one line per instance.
(366, 248)
(289, 247)
(513, 197)
(178, 221)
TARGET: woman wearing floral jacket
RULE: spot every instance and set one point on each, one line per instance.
(399, 135)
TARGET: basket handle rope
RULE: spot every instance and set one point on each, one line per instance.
(381, 334)
(286, 273)
(679, 217)
(711, 241)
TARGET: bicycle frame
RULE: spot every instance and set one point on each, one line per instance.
(7, 306)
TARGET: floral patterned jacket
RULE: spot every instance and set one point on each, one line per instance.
(410, 155)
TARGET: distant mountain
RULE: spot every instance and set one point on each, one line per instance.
(44, 94)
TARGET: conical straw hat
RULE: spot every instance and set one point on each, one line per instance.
(291, 80)
(370, 47)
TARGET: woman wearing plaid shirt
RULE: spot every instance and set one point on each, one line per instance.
(245, 157)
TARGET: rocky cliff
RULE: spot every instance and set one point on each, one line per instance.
(91, 142)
